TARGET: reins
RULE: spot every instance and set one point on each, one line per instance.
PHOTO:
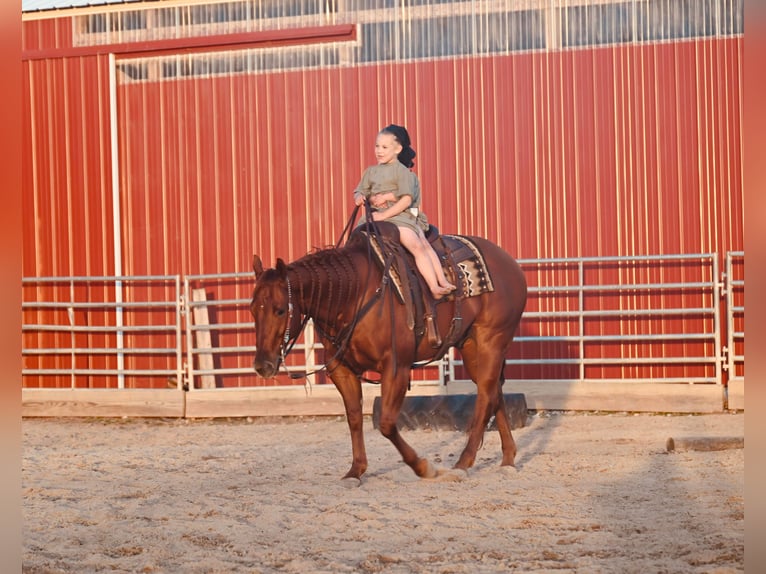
(347, 230)
(361, 310)
(340, 341)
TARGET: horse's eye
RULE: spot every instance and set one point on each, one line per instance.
(279, 312)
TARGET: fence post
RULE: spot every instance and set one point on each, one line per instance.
(202, 337)
(309, 354)
(189, 345)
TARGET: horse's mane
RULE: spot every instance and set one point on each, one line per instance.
(329, 278)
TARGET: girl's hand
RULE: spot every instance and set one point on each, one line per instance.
(381, 199)
(358, 199)
(377, 201)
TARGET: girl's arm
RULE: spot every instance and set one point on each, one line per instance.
(363, 189)
(401, 204)
(403, 197)
(381, 199)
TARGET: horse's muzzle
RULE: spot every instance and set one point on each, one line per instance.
(266, 369)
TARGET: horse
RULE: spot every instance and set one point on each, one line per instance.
(364, 327)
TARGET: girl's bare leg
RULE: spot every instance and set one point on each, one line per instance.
(412, 243)
(440, 276)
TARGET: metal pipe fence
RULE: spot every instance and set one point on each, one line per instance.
(668, 320)
(734, 281)
(108, 332)
(598, 319)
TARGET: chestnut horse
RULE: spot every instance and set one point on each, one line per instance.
(363, 327)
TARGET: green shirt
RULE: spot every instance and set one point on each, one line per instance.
(394, 177)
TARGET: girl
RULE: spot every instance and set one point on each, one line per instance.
(394, 193)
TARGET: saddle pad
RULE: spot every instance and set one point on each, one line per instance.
(470, 261)
(467, 257)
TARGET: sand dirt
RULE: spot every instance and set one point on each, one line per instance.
(591, 493)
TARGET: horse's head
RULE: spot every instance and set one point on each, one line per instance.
(275, 321)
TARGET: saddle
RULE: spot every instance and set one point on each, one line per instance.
(463, 265)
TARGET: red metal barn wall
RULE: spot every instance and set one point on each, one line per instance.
(605, 151)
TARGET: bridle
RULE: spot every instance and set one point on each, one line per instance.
(283, 348)
(288, 340)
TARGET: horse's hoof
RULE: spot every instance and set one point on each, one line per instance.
(508, 469)
(351, 482)
(425, 469)
(452, 474)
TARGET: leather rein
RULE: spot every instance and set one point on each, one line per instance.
(341, 340)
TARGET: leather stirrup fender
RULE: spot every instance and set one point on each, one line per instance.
(432, 331)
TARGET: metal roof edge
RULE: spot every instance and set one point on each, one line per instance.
(35, 9)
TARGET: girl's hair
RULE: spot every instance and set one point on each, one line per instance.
(400, 134)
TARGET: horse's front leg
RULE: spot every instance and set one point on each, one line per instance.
(350, 388)
(392, 392)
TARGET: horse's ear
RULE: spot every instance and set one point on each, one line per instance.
(257, 266)
(281, 267)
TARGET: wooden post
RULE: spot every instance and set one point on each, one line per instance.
(309, 354)
(203, 340)
(704, 443)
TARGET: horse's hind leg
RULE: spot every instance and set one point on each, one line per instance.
(485, 368)
(503, 422)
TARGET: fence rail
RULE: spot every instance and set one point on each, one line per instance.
(102, 328)
(638, 304)
(606, 319)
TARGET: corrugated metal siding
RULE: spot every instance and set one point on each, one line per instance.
(67, 227)
(46, 34)
(620, 150)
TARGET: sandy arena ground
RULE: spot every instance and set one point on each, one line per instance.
(591, 494)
